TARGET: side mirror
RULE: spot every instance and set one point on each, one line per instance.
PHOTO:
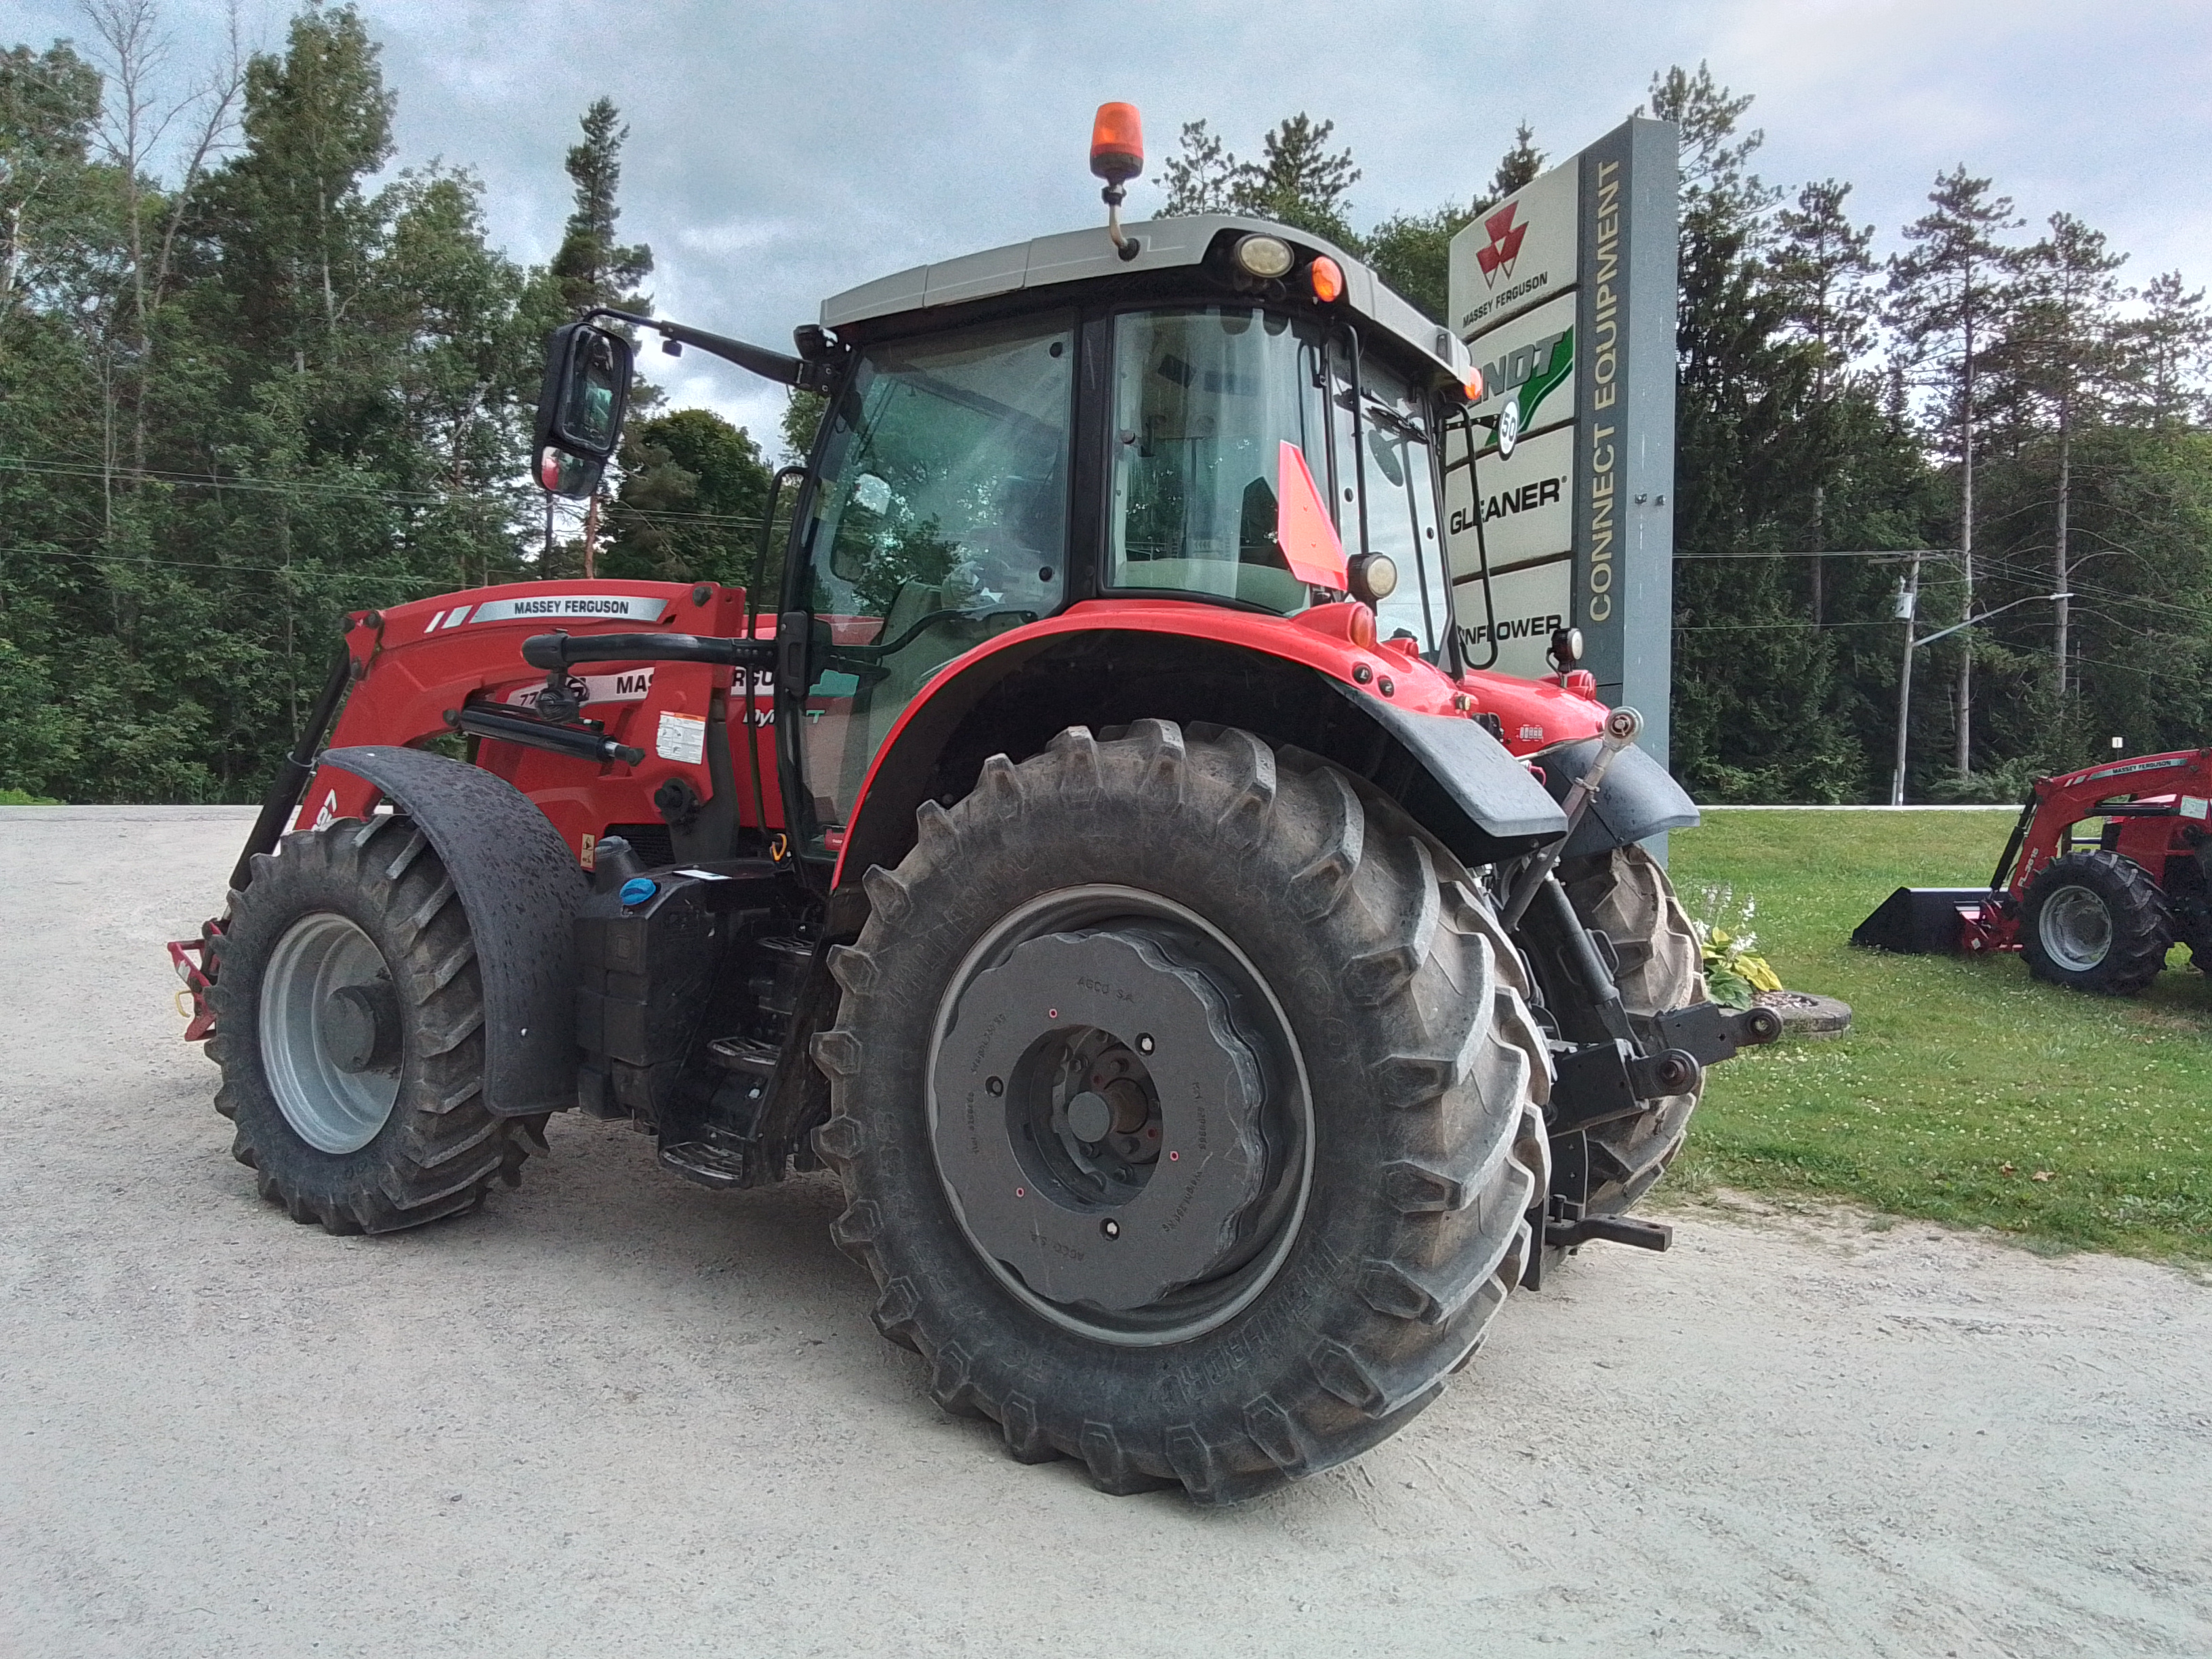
(580, 408)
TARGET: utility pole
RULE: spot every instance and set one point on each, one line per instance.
(1908, 602)
(1965, 695)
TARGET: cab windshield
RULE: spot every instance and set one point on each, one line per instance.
(1204, 399)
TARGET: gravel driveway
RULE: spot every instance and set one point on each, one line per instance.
(615, 1414)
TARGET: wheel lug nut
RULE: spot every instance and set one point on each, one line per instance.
(995, 1086)
(1110, 1227)
(1144, 1042)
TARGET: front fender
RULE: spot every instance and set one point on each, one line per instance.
(520, 886)
(1638, 799)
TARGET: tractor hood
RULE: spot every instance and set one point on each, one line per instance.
(1085, 256)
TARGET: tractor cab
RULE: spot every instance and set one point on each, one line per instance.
(1050, 426)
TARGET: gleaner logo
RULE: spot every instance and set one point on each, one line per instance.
(1505, 247)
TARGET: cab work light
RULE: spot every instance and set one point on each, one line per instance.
(1263, 256)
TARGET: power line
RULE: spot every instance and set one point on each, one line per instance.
(1839, 553)
(308, 488)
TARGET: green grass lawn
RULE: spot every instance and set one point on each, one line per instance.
(1965, 1091)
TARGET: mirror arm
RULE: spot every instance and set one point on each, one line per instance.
(768, 365)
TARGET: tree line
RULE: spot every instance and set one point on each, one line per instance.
(245, 388)
(248, 384)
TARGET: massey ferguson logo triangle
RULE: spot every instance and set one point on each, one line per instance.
(1505, 246)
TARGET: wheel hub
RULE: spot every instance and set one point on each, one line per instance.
(330, 1033)
(361, 1026)
(2076, 929)
(1098, 1118)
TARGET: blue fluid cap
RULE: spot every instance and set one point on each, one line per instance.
(638, 889)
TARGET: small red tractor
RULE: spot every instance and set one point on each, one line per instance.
(1101, 852)
(2097, 914)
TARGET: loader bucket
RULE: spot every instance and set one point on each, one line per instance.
(1921, 920)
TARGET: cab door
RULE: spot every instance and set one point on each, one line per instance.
(939, 517)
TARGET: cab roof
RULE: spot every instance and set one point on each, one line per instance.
(1082, 256)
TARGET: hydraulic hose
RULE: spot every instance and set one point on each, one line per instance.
(292, 776)
(561, 650)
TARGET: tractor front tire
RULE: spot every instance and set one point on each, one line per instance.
(2095, 921)
(350, 1030)
(1625, 895)
(1254, 973)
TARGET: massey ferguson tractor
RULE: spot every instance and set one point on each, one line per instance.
(1213, 992)
(2095, 913)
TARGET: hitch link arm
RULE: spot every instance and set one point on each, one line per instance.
(1622, 728)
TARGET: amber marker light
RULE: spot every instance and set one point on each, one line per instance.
(1360, 627)
(1470, 387)
(1327, 277)
(1117, 143)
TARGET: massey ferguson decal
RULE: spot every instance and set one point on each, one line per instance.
(555, 607)
(1519, 255)
(630, 686)
(1503, 247)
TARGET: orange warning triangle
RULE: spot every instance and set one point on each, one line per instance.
(1303, 530)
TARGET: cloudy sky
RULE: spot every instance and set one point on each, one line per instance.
(779, 152)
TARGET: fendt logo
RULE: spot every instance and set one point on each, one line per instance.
(1504, 245)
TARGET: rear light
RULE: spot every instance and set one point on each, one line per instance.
(1471, 387)
(1117, 143)
(1341, 619)
(1580, 682)
(1327, 277)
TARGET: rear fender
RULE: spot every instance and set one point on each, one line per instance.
(1638, 797)
(1299, 682)
(520, 886)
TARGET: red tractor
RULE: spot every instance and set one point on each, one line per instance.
(2097, 914)
(1101, 852)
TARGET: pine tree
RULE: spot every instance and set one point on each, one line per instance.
(1297, 181)
(2164, 355)
(591, 268)
(2061, 352)
(1822, 269)
(1948, 304)
(1412, 252)
(1519, 166)
(1201, 176)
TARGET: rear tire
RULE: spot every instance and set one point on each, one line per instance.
(1626, 896)
(362, 1112)
(1393, 1040)
(2095, 921)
